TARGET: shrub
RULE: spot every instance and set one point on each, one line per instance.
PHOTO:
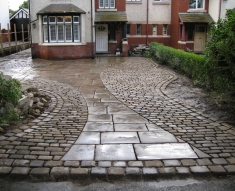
(10, 94)
(188, 63)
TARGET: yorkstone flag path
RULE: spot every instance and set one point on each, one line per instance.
(111, 118)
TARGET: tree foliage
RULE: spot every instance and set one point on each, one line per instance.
(220, 54)
(25, 5)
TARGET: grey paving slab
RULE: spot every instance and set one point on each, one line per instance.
(130, 127)
(99, 126)
(100, 118)
(119, 137)
(120, 109)
(153, 127)
(129, 118)
(157, 137)
(80, 152)
(164, 151)
(88, 138)
(97, 110)
(115, 152)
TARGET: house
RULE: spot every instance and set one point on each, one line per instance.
(21, 17)
(190, 22)
(71, 29)
(148, 21)
(62, 29)
(4, 20)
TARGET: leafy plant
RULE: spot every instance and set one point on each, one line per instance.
(10, 94)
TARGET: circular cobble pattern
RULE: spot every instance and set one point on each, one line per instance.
(44, 141)
(140, 85)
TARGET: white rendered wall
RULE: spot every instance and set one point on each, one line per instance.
(226, 4)
(214, 9)
(85, 5)
(159, 12)
(4, 14)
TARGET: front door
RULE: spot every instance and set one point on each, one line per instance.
(101, 38)
(199, 38)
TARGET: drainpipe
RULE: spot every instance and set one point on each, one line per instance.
(31, 44)
(92, 32)
(147, 31)
(220, 4)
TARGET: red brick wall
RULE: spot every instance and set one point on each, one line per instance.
(142, 40)
(120, 5)
(5, 35)
(62, 52)
(179, 6)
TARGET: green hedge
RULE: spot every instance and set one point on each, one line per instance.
(200, 69)
(188, 63)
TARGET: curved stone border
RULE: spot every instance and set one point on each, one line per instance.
(43, 142)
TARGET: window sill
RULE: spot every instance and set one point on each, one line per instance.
(133, 2)
(112, 41)
(161, 3)
(104, 10)
(63, 44)
(196, 11)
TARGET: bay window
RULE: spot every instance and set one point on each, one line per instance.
(61, 28)
(196, 4)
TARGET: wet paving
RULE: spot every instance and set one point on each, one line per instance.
(112, 110)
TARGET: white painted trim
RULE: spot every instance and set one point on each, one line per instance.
(106, 10)
(181, 42)
(63, 44)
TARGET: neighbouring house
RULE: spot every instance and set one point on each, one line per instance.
(21, 17)
(70, 29)
(110, 25)
(190, 22)
(4, 20)
(148, 21)
(62, 29)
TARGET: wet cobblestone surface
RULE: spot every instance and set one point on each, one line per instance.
(95, 96)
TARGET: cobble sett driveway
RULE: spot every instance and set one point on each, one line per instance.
(110, 119)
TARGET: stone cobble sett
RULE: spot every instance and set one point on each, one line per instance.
(37, 148)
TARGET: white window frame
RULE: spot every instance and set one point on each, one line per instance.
(164, 29)
(68, 29)
(106, 4)
(133, 0)
(140, 31)
(159, 0)
(196, 8)
(154, 31)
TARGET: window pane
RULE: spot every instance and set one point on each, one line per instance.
(101, 3)
(45, 33)
(52, 32)
(76, 31)
(200, 4)
(60, 19)
(68, 32)
(60, 33)
(112, 2)
(192, 4)
(106, 3)
(200, 28)
(154, 29)
(52, 19)
(68, 19)
(138, 29)
(76, 19)
(45, 20)
(128, 29)
(164, 30)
